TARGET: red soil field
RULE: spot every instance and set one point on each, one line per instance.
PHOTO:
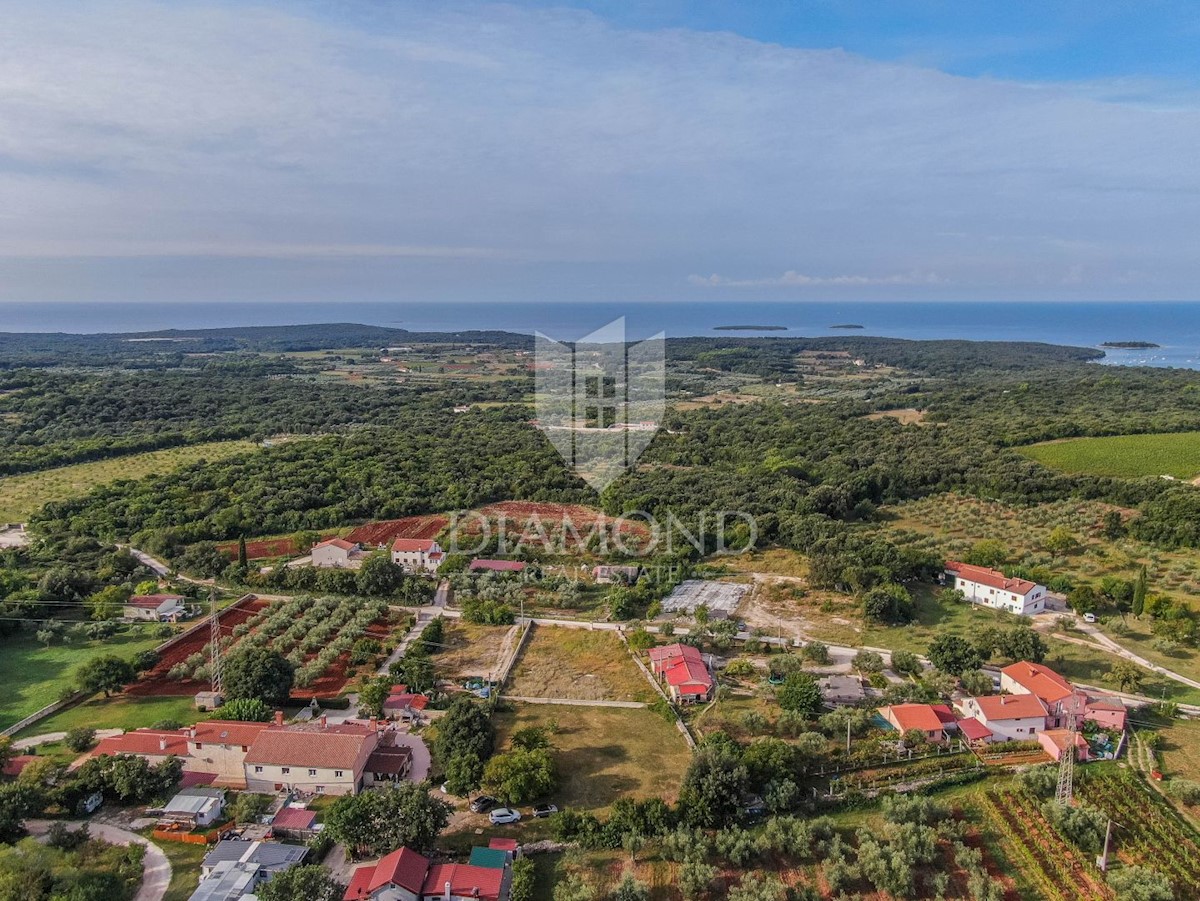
(157, 683)
(265, 548)
(387, 531)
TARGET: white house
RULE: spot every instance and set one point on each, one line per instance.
(157, 608)
(336, 552)
(325, 761)
(991, 588)
(1008, 717)
(417, 554)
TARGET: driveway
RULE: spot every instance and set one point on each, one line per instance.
(156, 869)
(421, 761)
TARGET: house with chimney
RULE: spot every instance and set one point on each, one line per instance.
(1008, 717)
(991, 588)
(1062, 699)
(322, 760)
(417, 555)
(405, 875)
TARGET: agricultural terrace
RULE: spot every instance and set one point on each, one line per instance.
(1123, 456)
(317, 636)
(23, 495)
(34, 675)
(578, 664)
(604, 753)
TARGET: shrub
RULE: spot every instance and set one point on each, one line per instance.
(80, 739)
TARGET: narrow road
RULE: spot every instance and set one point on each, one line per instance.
(156, 869)
(151, 563)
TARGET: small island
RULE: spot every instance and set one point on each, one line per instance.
(1131, 345)
(750, 328)
(848, 325)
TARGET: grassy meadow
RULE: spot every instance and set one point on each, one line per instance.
(22, 495)
(1123, 456)
(578, 664)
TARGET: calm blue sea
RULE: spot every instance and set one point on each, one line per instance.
(1175, 326)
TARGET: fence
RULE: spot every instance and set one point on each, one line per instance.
(192, 838)
(45, 712)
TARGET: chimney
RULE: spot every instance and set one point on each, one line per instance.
(373, 725)
(278, 717)
(192, 733)
(446, 893)
(162, 743)
(324, 721)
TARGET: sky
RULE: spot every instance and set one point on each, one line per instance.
(599, 151)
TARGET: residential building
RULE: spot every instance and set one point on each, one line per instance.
(219, 747)
(991, 588)
(156, 745)
(405, 875)
(417, 554)
(921, 718)
(388, 763)
(496, 566)
(838, 691)
(684, 671)
(156, 608)
(269, 857)
(230, 881)
(324, 760)
(1061, 698)
(974, 732)
(1018, 717)
(336, 552)
(194, 808)
(403, 704)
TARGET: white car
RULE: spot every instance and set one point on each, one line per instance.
(1089, 617)
(502, 816)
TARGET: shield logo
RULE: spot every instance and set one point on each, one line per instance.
(600, 400)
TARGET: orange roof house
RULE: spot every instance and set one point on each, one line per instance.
(1035, 679)
(921, 717)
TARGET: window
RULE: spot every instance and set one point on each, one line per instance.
(320, 789)
(285, 770)
(199, 746)
(312, 772)
(338, 774)
(258, 769)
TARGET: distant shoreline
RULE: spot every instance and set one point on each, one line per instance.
(848, 325)
(1131, 345)
(750, 328)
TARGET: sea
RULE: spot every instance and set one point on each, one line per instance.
(1174, 326)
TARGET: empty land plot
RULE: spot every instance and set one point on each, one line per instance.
(721, 598)
(1125, 456)
(604, 753)
(471, 650)
(578, 665)
(23, 495)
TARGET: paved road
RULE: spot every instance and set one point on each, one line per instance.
(156, 869)
(147, 561)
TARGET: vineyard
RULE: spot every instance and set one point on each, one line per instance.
(1147, 831)
(1060, 870)
(316, 635)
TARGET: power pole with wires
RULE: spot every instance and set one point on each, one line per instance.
(1066, 764)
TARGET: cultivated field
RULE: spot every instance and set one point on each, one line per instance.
(605, 753)
(1127, 456)
(577, 664)
(23, 495)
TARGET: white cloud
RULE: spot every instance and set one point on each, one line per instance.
(479, 151)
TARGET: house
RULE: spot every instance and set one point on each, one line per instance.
(624, 575)
(220, 747)
(156, 608)
(1017, 717)
(156, 745)
(389, 762)
(405, 875)
(919, 717)
(230, 881)
(496, 566)
(194, 808)
(683, 670)
(403, 704)
(269, 857)
(294, 822)
(1056, 742)
(839, 691)
(325, 760)
(992, 588)
(336, 552)
(1061, 698)
(417, 554)
(974, 732)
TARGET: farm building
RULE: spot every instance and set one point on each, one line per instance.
(1056, 742)
(294, 822)
(683, 670)
(156, 608)
(608, 575)
(991, 588)
(336, 552)
(1009, 717)
(219, 747)
(496, 566)
(156, 745)
(407, 875)
(417, 554)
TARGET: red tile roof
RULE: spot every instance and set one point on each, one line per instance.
(973, 730)
(148, 742)
(360, 884)
(14, 765)
(503, 844)
(944, 714)
(302, 748)
(514, 566)
(151, 601)
(671, 651)
(913, 716)
(405, 702)
(404, 867)
(341, 543)
(465, 880)
(191, 779)
(1010, 707)
(294, 818)
(228, 732)
(413, 544)
(1061, 738)
(990, 577)
(391, 761)
(688, 672)
(1039, 680)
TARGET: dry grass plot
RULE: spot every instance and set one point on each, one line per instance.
(577, 664)
(471, 650)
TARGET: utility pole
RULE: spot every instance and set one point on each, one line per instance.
(1102, 862)
(214, 640)
(847, 736)
(1066, 764)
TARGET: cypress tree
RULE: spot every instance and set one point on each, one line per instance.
(243, 561)
(1139, 593)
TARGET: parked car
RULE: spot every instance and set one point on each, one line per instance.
(545, 810)
(483, 804)
(502, 816)
(1089, 617)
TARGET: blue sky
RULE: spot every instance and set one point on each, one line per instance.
(598, 151)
